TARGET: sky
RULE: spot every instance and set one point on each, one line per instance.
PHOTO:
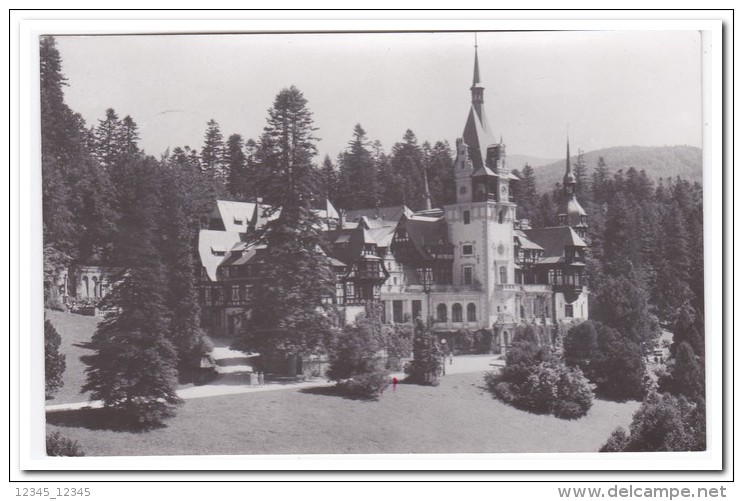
(609, 88)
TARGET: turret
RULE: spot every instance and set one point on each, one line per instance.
(573, 214)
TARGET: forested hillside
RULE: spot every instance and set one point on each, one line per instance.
(658, 162)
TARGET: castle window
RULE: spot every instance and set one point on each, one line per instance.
(569, 310)
(500, 217)
(466, 217)
(471, 312)
(463, 190)
(441, 313)
(467, 250)
(456, 312)
(503, 275)
(417, 308)
(397, 311)
(467, 275)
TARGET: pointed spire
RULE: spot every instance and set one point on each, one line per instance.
(569, 179)
(426, 192)
(477, 88)
(476, 76)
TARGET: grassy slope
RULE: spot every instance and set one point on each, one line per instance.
(457, 417)
(75, 331)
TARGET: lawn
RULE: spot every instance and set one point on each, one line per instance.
(456, 417)
(75, 331)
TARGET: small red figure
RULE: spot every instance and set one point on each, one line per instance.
(394, 383)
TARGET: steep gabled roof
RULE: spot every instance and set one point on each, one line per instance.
(236, 216)
(523, 241)
(393, 213)
(213, 248)
(477, 136)
(554, 240)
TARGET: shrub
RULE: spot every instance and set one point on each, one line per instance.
(54, 361)
(617, 441)
(425, 368)
(535, 381)
(364, 385)
(663, 423)
(58, 445)
(353, 352)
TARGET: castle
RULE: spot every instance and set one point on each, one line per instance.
(466, 266)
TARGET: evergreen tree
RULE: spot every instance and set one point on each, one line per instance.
(129, 136)
(236, 165)
(54, 361)
(438, 164)
(612, 362)
(184, 201)
(362, 188)
(622, 304)
(329, 180)
(287, 317)
(212, 153)
(686, 375)
(405, 180)
(580, 171)
(672, 292)
(527, 198)
(600, 189)
(133, 370)
(108, 139)
(425, 368)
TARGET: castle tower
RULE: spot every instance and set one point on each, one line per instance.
(573, 214)
(481, 221)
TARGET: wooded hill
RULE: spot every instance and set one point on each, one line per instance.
(657, 161)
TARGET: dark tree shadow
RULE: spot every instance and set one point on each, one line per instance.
(97, 419)
(334, 391)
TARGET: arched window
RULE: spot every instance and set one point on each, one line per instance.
(456, 312)
(96, 289)
(503, 275)
(441, 313)
(87, 287)
(471, 312)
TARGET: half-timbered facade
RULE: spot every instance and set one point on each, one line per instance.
(466, 266)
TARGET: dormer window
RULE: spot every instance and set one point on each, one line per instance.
(238, 221)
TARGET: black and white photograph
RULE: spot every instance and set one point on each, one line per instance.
(363, 243)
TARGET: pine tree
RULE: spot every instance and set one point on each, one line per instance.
(184, 201)
(212, 153)
(600, 190)
(287, 318)
(438, 164)
(133, 370)
(362, 188)
(54, 361)
(528, 199)
(109, 139)
(236, 165)
(580, 171)
(253, 170)
(129, 136)
(329, 180)
(672, 291)
(686, 375)
(405, 178)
